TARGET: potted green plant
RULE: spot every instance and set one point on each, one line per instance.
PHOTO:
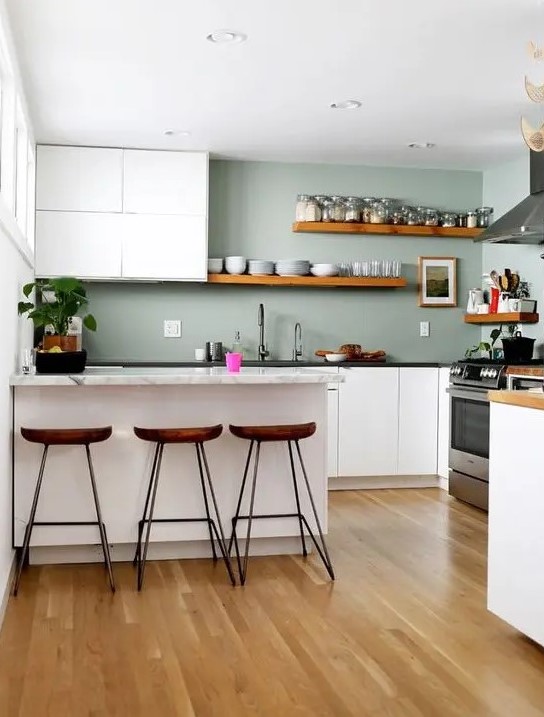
(57, 300)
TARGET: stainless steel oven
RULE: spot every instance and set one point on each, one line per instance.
(469, 445)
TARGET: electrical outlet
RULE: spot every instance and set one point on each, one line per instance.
(424, 329)
(172, 329)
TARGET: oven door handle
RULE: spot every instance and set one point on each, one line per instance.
(475, 395)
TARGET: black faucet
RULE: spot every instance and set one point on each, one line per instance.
(297, 347)
(262, 353)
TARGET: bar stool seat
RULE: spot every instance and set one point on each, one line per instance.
(179, 435)
(290, 434)
(171, 436)
(65, 437)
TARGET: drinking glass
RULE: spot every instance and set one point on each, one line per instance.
(27, 361)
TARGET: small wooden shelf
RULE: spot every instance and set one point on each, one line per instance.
(395, 229)
(273, 280)
(510, 318)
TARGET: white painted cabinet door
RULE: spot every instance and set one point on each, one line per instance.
(164, 247)
(165, 182)
(443, 422)
(418, 421)
(86, 245)
(368, 422)
(515, 580)
(332, 432)
(80, 179)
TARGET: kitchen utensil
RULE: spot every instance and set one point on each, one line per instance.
(475, 298)
(514, 282)
(503, 280)
(495, 278)
(214, 351)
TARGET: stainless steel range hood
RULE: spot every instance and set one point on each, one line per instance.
(524, 224)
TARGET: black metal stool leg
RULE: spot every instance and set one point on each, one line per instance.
(101, 528)
(222, 541)
(141, 565)
(141, 523)
(323, 553)
(243, 573)
(297, 498)
(240, 496)
(198, 448)
(30, 524)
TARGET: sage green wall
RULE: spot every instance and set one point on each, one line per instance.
(251, 211)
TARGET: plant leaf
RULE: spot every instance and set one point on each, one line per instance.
(27, 289)
(24, 306)
(89, 322)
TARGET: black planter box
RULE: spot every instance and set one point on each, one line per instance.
(518, 349)
(61, 362)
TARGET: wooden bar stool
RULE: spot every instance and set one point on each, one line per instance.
(65, 437)
(162, 436)
(291, 434)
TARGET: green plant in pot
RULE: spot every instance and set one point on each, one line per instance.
(57, 300)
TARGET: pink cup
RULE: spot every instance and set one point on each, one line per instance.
(234, 361)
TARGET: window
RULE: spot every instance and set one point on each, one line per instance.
(21, 169)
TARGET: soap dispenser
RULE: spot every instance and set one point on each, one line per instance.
(237, 347)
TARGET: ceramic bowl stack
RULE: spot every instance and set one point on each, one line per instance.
(235, 264)
(292, 267)
(260, 267)
(215, 266)
(324, 270)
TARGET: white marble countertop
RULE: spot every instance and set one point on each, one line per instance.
(160, 376)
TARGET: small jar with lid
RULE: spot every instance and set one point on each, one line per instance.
(353, 209)
(366, 209)
(313, 210)
(326, 210)
(431, 218)
(472, 221)
(412, 216)
(462, 220)
(422, 215)
(399, 216)
(378, 213)
(338, 209)
(448, 219)
(389, 206)
(300, 210)
(483, 217)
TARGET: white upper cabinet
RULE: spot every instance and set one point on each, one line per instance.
(418, 421)
(79, 179)
(83, 244)
(164, 247)
(368, 422)
(165, 182)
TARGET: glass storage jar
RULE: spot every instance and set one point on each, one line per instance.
(338, 209)
(399, 216)
(313, 210)
(448, 219)
(326, 211)
(431, 218)
(389, 205)
(378, 213)
(353, 209)
(462, 220)
(300, 210)
(412, 216)
(366, 209)
(472, 220)
(483, 217)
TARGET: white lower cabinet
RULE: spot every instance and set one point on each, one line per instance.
(418, 421)
(82, 244)
(332, 431)
(368, 421)
(388, 421)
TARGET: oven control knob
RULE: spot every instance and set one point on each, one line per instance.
(493, 373)
(484, 373)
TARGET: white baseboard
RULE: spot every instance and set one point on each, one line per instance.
(6, 592)
(374, 482)
(444, 483)
(62, 554)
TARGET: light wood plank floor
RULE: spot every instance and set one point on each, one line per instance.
(404, 631)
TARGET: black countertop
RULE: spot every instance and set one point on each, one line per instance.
(271, 363)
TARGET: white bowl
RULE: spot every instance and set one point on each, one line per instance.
(215, 266)
(335, 358)
(323, 271)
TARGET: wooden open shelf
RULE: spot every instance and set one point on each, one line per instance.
(510, 318)
(273, 280)
(396, 229)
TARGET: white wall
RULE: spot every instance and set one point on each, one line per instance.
(504, 187)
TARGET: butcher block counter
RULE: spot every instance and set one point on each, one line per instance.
(525, 399)
(162, 397)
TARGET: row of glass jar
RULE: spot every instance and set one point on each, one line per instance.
(370, 210)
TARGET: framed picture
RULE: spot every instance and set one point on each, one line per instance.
(437, 281)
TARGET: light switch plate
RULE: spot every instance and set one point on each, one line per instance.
(172, 329)
(424, 329)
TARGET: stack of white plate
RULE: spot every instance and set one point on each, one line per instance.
(292, 267)
(324, 269)
(260, 266)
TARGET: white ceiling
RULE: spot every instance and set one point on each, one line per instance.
(119, 72)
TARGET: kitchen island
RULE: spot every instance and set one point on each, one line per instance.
(516, 509)
(162, 397)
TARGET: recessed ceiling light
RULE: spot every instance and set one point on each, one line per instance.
(421, 145)
(226, 37)
(176, 133)
(346, 105)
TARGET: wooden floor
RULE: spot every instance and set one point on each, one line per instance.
(403, 632)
